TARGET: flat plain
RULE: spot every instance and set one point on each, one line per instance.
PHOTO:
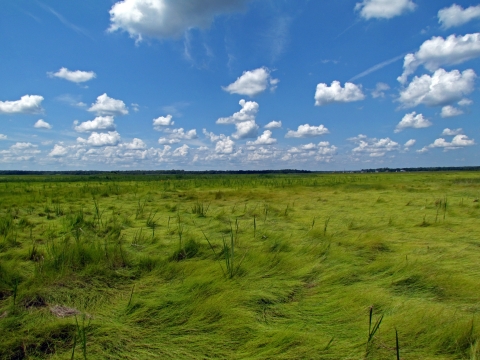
(311, 266)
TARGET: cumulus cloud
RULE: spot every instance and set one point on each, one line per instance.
(384, 9)
(28, 104)
(438, 52)
(450, 111)
(164, 140)
(306, 130)
(456, 15)
(225, 146)
(440, 89)
(100, 123)
(247, 113)
(322, 151)
(246, 129)
(181, 151)
(465, 102)
(3, 137)
(23, 146)
(76, 76)
(161, 121)
(264, 139)
(167, 18)
(252, 83)
(20, 151)
(410, 143)
(136, 144)
(58, 151)
(41, 124)
(374, 147)
(380, 90)
(458, 142)
(324, 148)
(335, 93)
(244, 120)
(176, 135)
(413, 120)
(273, 125)
(112, 138)
(452, 132)
(211, 136)
(108, 106)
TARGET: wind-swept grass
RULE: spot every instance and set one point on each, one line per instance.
(244, 266)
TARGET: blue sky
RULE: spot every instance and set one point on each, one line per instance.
(238, 84)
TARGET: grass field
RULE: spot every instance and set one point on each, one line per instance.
(340, 266)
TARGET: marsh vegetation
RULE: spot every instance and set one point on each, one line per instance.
(240, 266)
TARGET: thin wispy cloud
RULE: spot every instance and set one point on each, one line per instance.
(65, 22)
(377, 67)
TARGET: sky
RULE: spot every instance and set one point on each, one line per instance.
(238, 84)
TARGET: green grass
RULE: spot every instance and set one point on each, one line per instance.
(366, 266)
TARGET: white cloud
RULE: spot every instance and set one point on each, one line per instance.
(28, 104)
(358, 138)
(41, 124)
(264, 139)
(273, 125)
(162, 121)
(465, 102)
(247, 113)
(74, 76)
(440, 89)
(455, 15)
(58, 151)
(322, 151)
(225, 146)
(252, 82)
(112, 138)
(452, 132)
(450, 111)
(325, 149)
(135, 107)
(384, 9)
(212, 137)
(380, 90)
(246, 129)
(335, 93)
(3, 137)
(176, 135)
(374, 147)
(107, 106)
(438, 52)
(100, 123)
(306, 130)
(163, 141)
(410, 143)
(136, 144)
(167, 18)
(244, 120)
(413, 120)
(182, 151)
(458, 142)
(20, 151)
(22, 146)
(308, 146)
(181, 134)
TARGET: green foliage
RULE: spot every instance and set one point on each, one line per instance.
(240, 266)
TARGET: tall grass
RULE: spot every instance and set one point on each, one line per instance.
(287, 290)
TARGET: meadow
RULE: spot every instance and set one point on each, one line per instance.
(310, 266)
